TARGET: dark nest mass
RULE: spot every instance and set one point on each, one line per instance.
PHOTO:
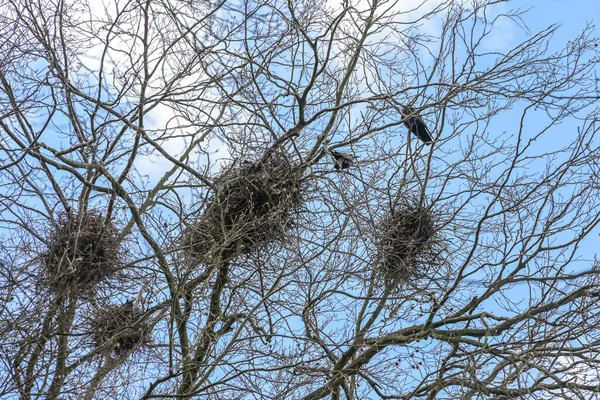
(122, 327)
(82, 250)
(408, 241)
(252, 204)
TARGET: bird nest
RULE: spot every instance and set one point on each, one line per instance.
(120, 328)
(82, 250)
(409, 239)
(252, 205)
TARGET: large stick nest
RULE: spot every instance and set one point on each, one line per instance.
(122, 327)
(409, 239)
(82, 250)
(253, 204)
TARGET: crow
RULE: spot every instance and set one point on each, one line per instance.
(342, 160)
(416, 125)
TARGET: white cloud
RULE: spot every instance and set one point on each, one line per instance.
(118, 59)
(580, 371)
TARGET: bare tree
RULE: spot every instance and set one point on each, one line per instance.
(175, 226)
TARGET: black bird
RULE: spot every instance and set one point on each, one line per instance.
(415, 124)
(342, 160)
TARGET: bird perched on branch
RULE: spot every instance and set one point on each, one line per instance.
(342, 160)
(415, 124)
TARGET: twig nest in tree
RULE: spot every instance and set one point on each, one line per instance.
(82, 250)
(122, 327)
(252, 204)
(408, 239)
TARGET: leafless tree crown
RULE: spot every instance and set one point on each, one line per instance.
(222, 199)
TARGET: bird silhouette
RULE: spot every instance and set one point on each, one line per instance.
(342, 160)
(415, 124)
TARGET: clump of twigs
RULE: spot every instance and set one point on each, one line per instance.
(82, 250)
(409, 238)
(122, 326)
(253, 203)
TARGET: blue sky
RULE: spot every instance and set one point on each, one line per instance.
(572, 14)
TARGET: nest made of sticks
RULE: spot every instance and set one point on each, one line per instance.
(82, 250)
(252, 204)
(122, 326)
(409, 239)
